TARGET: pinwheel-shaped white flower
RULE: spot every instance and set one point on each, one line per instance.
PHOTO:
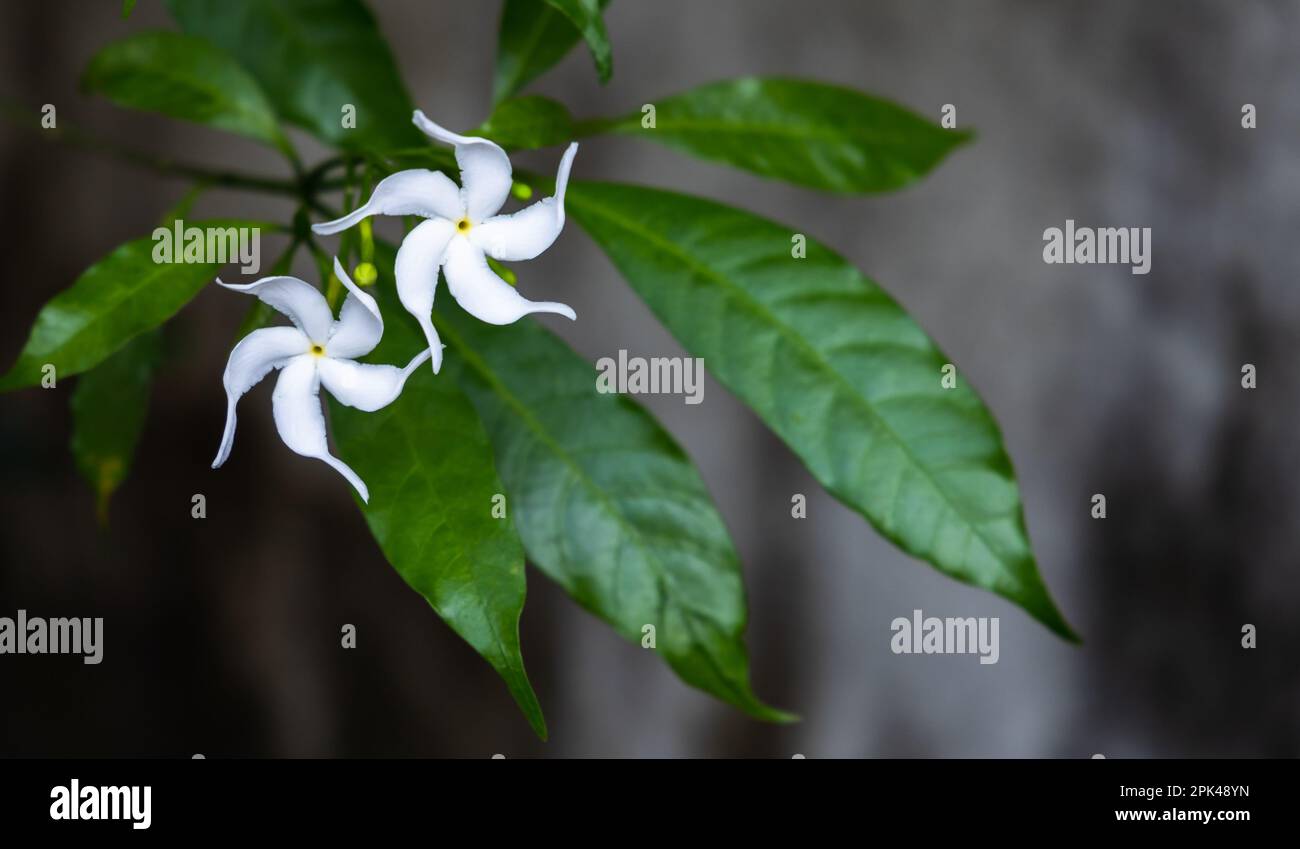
(317, 351)
(462, 230)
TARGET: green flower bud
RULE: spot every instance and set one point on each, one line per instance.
(365, 274)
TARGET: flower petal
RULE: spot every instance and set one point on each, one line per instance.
(416, 268)
(252, 359)
(298, 417)
(483, 294)
(360, 326)
(300, 301)
(531, 230)
(364, 386)
(484, 168)
(414, 192)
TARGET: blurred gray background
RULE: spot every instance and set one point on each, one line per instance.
(222, 636)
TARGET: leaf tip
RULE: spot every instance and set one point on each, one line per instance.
(538, 723)
(1070, 635)
(756, 709)
(1046, 612)
(964, 137)
(780, 717)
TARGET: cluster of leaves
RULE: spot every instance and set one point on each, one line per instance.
(603, 500)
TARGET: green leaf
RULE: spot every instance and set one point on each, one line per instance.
(817, 135)
(535, 35)
(586, 17)
(108, 412)
(313, 58)
(838, 370)
(114, 300)
(127, 6)
(182, 207)
(428, 465)
(184, 77)
(607, 503)
(526, 123)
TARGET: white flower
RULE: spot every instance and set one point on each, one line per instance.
(462, 230)
(316, 351)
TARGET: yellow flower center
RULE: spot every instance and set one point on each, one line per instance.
(317, 350)
(463, 226)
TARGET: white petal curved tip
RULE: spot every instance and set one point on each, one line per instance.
(329, 228)
(437, 131)
(554, 308)
(435, 356)
(227, 441)
(562, 174)
(235, 287)
(417, 360)
(246, 288)
(343, 469)
(341, 273)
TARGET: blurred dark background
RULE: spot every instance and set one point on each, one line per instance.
(222, 635)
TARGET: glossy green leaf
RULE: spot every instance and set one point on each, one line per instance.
(184, 77)
(313, 58)
(535, 35)
(526, 123)
(108, 411)
(837, 369)
(607, 503)
(428, 464)
(587, 18)
(117, 298)
(817, 135)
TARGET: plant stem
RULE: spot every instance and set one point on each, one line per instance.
(74, 137)
(597, 126)
(165, 165)
(315, 178)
